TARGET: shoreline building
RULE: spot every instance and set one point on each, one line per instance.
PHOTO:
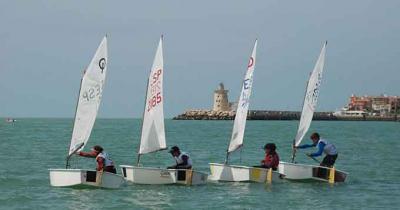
(382, 105)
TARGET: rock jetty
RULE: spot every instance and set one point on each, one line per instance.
(253, 115)
(199, 114)
(206, 115)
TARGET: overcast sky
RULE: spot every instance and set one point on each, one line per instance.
(45, 45)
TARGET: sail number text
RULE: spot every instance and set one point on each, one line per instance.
(91, 93)
(312, 95)
(155, 96)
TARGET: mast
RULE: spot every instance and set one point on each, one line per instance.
(73, 126)
(229, 142)
(226, 157)
(395, 109)
(144, 110)
(298, 126)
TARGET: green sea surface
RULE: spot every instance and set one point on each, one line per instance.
(368, 151)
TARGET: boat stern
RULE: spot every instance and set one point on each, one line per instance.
(229, 173)
(65, 177)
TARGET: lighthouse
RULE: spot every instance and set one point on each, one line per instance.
(221, 102)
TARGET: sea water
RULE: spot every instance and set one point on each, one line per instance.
(368, 151)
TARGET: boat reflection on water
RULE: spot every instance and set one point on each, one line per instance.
(150, 197)
(80, 199)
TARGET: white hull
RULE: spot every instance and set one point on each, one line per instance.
(157, 176)
(294, 171)
(80, 177)
(234, 173)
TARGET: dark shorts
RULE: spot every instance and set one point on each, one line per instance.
(180, 167)
(110, 169)
(183, 167)
(329, 160)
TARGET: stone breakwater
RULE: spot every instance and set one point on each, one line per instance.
(273, 115)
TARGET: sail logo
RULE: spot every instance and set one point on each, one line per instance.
(251, 63)
(102, 64)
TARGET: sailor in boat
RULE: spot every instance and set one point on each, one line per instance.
(271, 159)
(104, 163)
(182, 159)
(323, 147)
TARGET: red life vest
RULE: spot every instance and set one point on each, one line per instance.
(271, 160)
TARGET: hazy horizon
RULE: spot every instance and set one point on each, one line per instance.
(46, 45)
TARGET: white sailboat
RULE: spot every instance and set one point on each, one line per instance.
(10, 120)
(297, 171)
(236, 173)
(90, 95)
(153, 136)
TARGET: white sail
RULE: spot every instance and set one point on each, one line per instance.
(90, 95)
(243, 105)
(153, 132)
(311, 97)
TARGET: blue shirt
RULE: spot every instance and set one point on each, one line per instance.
(321, 145)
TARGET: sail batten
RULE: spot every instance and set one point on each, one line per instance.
(90, 94)
(153, 131)
(243, 105)
(311, 97)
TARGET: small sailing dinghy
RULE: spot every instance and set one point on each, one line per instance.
(297, 171)
(236, 173)
(90, 95)
(10, 120)
(153, 136)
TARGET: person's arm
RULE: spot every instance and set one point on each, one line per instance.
(305, 146)
(100, 164)
(321, 147)
(91, 154)
(275, 161)
(173, 166)
(266, 162)
(184, 159)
